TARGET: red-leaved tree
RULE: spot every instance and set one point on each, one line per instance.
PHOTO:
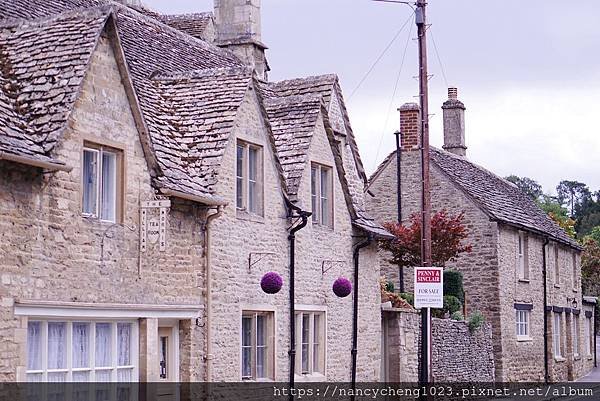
(448, 235)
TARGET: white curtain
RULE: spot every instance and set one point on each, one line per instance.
(109, 186)
(103, 351)
(57, 344)
(124, 343)
(81, 345)
(34, 344)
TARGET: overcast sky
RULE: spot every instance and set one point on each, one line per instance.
(528, 73)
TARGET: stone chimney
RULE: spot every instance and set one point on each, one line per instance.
(238, 29)
(410, 126)
(454, 124)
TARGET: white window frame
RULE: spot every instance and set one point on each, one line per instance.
(269, 345)
(556, 335)
(99, 150)
(320, 201)
(575, 335)
(522, 256)
(134, 348)
(316, 363)
(588, 336)
(522, 319)
(246, 180)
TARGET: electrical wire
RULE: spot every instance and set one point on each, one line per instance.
(387, 117)
(364, 78)
(439, 59)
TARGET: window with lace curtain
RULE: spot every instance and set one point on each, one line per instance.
(81, 351)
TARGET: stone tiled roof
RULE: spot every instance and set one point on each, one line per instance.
(42, 65)
(323, 85)
(498, 198)
(193, 117)
(193, 24)
(293, 121)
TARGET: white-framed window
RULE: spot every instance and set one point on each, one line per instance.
(522, 323)
(249, 178)
(82, 351)
(321, 188)
(522, 256)
(575, 335)
(574, 271)
(257, 345)
(556, 264)
(102, 176)
(310, 338)
(588, 336)
(556, 338)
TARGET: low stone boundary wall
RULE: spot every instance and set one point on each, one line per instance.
(458, 354)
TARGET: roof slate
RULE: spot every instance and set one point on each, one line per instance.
(293, 121)
(193, 24)
(42, 65)
(500, 199)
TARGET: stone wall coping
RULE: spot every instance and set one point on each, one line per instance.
(104, 310)
(398, 310)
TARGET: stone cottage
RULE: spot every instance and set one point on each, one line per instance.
(150, 175)
(524, 271)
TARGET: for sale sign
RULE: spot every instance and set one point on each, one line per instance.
(429, 287)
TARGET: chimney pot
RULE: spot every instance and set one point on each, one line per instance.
(452, 93)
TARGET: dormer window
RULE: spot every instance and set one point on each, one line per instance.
(321, 184)
(249, 178)
(102, 176)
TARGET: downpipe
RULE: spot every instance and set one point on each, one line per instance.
(354, 351)
(303, 215)
(544, 276)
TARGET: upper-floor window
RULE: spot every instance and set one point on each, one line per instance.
(556, 265)
(321, 184)
(249, 178)
(257, 345)
(102, 177)
(574, 271)
(311, 343)
(556, 340)
(589, 336)
(522, 256)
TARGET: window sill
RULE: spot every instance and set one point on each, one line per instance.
(314, 377)
(265, 380)
(524, 339)
(577, 358)
(247, 216)
(559, 359)
(95, 219)
(322, 227)
(556, 285)
(575, 290)
(524, 280)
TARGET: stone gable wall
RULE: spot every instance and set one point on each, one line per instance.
(49, 251)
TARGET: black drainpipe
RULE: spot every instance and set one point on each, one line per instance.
(304, 215)
(544, 275)
(354, 351)
(399, 198)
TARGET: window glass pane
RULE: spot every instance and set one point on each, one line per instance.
(261, 346)
(240, 177)
(34, 346)
(316, 345)
(305, 341)
(90, 181)
(253, 185)
(325, 202)
(109, 186)
(103, 345)
(57, 346)
(247, 347)
(124, 344)
(81, 345)
(80, 377)
(313, 189)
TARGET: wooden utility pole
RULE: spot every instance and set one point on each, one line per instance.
(421, 21)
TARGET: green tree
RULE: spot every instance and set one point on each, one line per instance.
(574, 195)
(558, 213)
(529, 186)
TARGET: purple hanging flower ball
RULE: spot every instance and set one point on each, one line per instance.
(271, 283)
(342, 287)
